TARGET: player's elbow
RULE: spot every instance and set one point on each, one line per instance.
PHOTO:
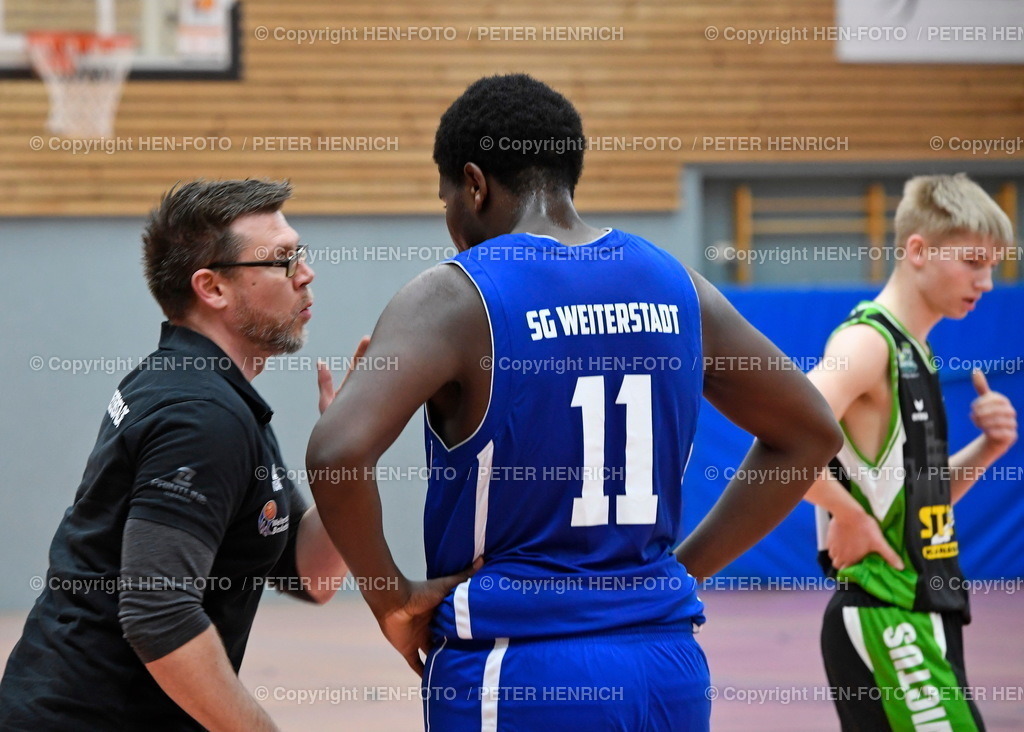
(334, 459)
(824, 438)
(320, 596)
(803, 429)
(320, 453)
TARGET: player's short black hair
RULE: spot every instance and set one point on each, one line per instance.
(515, 128)
(190, 229)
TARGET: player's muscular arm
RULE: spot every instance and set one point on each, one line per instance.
(796, 435)
(420, 331)
(854, 379)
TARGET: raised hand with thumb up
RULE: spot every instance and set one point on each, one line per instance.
(993, 414)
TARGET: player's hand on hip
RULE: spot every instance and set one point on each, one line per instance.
(854, 535)
(407, 627)
(993, 414)
(325, 382)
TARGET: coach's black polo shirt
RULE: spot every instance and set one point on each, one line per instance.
(186, 442)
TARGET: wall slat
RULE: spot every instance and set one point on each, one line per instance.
(662, 78)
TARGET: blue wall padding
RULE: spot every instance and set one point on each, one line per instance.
(989, 520)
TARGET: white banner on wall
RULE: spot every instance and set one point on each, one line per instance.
(930, 31)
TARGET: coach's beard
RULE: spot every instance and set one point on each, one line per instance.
(273, 335)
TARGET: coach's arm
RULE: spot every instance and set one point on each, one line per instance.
(172, 634)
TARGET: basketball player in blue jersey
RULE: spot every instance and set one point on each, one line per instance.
(562, 368)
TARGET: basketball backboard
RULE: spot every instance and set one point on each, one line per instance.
(175, 39)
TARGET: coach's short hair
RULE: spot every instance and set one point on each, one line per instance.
(190, 229)
(517, 129)
(936, 206)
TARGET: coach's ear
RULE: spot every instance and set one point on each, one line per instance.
(476, 182)
(208, 287)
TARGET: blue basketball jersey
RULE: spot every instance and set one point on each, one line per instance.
(570, 489)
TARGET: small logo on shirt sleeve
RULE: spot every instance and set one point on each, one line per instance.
(268, 522)
(180, 486)
(117, 408)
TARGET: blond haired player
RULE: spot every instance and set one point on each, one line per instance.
(892, 634)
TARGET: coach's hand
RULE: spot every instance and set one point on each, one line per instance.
(853, 535)
(407, 627)
(993, 414)
(325, 381)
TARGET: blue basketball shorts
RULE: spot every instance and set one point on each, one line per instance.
(652, 680)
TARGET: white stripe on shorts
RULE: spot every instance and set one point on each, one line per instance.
(491, 690)
(430, 676)
(851, 619)
(940, 632)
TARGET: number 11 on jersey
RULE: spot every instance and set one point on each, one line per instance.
(639, 505)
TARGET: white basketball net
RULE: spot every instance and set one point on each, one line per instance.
(84, 74)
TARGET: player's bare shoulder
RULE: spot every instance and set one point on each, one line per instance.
(444, 305)
(714, 312)
(440, 303)
(444, 290)
(855, 370)
(859, 350)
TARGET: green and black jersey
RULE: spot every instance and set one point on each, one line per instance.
(906, 486)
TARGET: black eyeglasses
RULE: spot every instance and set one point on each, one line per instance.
(291, 264)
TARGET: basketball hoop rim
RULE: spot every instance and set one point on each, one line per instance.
(78, 41)
(59, 52)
